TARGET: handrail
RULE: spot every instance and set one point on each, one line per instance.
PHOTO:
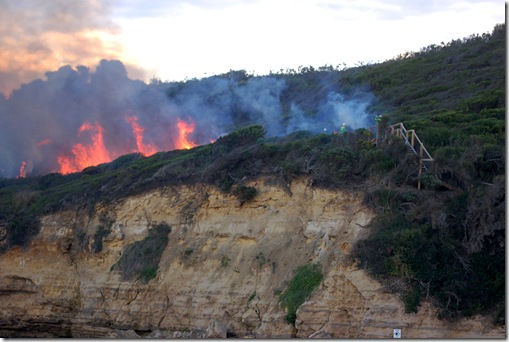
(410, 138)
(402, 132)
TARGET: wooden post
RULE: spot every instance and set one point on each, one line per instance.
(398, 130)
(421, 151)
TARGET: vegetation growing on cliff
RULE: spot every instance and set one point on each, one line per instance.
(305, 280)
(445, 243)
(140, 260)
(426, 246)
(102, 230)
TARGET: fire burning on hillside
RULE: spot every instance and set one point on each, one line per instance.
(145, 149)
(85, 154)
(184, 130)
(93, 151)
(78, 118)
(22, 170)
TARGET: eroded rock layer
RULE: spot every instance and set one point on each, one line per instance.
(219, 276)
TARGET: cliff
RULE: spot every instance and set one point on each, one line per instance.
(219, 275)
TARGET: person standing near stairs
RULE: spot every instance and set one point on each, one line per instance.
(343, 129)
(378, 119)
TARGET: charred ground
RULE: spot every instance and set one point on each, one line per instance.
(445, 242)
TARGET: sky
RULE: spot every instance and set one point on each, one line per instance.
(182, 39)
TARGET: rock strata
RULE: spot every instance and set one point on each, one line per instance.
(219, 275)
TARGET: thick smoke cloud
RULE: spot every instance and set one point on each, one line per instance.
(46, 119)
(36, 36)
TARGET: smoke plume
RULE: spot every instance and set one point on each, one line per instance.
(78, 117)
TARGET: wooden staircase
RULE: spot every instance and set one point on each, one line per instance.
(415, 146)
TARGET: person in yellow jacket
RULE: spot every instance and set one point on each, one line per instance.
(342, 130)
(378, 119)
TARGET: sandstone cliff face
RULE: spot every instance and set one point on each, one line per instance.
(219, 275)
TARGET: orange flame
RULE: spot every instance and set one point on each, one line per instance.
(184, 128)
(22, 170)
(145, 149)
(94, 152)
(86, 155)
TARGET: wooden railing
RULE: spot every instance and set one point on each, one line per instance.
(415, 144)
(411, 139)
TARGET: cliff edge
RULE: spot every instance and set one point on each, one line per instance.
(219, 275)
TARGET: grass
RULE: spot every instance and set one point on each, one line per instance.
(251, 297)
(306, 279)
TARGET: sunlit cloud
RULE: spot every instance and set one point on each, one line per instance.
(40, 36)
(179, 39)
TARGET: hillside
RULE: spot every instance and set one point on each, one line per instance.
(443, 245)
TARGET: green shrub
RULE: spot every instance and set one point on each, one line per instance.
(148, 274)
(260, 258)
(123, 161)
(225, 184)
(447, 250)
(23, 198)
(244, 193)
(140, 259)
(377, 161)
(412, 299)
(102, 230)
(288, 167)
(385, 199)
(21, 229)
(253, 295)
(243, 136)
(225, 260)
(306, 279)
(81, 240)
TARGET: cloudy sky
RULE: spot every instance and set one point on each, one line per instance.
(179, 39)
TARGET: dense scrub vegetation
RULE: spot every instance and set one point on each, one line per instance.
(447, 246)
(140, 260)
(444, 243)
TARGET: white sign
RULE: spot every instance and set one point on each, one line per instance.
(396, 333)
